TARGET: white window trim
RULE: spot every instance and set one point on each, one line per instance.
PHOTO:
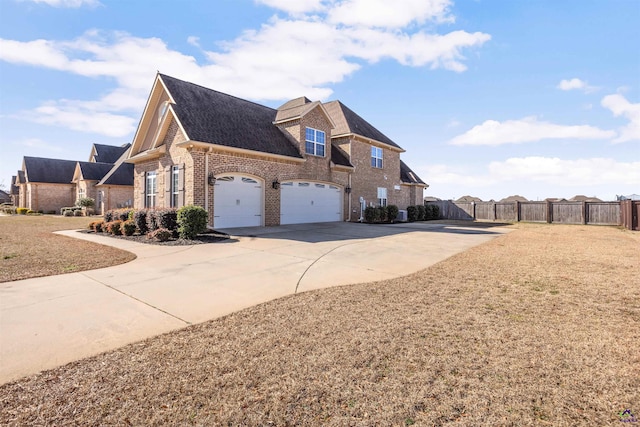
(382, 196)
(315, 142)
(150, 198)
(175, 183)
(374, 152)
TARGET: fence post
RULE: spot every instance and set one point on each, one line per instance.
(549, 212)
(495, 215)
(584, 212)
(473, 205)
(517, 210)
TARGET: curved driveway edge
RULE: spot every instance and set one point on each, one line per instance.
(47, 322)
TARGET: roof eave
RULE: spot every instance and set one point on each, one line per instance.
(369, 140)
(147, 155)
(210, 146)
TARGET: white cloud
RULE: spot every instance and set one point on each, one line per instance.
(38, 144)
(294, 7)
(67, 3)
(528, 129)
(620, 106)
(270, 63)
(390, 14)
(576, 84)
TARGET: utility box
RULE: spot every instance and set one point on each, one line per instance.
(402, 215)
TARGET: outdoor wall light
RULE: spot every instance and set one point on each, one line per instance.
(347, 190)
(275, 184)
(211, 179)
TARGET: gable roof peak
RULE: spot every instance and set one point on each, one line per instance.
(297, 102)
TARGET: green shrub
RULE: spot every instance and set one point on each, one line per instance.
(392, 213)
(382, 213)
(77, 213)
(22, 211)
(152, 225)
(108, 216)
(68, 212)
(163, 218)
(115, 227)
(192, 220)
(412, 213)
(129, 227)
(160, 235)
(140, 218)
(435, 212)
(98, 226)
(371, 215)
(421, 213)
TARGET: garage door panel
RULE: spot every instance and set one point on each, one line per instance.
(237, 202)
(305, 202)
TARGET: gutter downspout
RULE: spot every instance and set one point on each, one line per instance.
(206, 184)
(350, 196)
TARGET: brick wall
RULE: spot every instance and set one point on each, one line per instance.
(115, 196)
(49, 197)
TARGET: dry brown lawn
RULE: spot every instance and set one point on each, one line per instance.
(28, 248)
(537, 327)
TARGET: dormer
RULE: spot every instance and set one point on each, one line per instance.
(309, 124)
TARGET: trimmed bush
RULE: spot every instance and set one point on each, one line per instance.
(68, 212)
(108, 216)
(77, 213)
(140, 218)
(421, 212)
(160, 235)
(371, 214)
(382, 213)
(435, 212)
(98, 226)
(412, 213)
(152, 225)
(392, 213)
(192, 220)
(30, 212)
(22, 211)
(129, 227)
(115, 227)
(164, 218)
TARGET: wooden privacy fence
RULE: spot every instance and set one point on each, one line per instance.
(624, 213)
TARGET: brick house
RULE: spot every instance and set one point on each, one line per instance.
(47, 185)
(251, 165)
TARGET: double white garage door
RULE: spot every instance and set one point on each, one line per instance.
(238, 202)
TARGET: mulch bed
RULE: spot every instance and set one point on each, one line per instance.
(210, 237)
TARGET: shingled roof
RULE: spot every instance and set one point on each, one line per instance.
(339, 157)
(93, 171)
(108, 153)
(217, 118)
(121, 173)
(409, 176)
(15, 189)
(347, 122)
(53, 171)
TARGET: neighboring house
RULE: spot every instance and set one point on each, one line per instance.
(15, 191)
(106, 178)
(629, 197)
(581, 198)
(251, 165)
(468, 199)
(49, 184)
(5, 197)
(514, 198)
(431, 199)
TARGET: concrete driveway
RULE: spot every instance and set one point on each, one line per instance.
(47, 322)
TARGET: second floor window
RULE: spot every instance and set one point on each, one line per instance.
(314, 142)
(376, 157)
(150, 190)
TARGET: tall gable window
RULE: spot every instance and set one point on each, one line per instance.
(376, 157)
(314, 142)
(151, 189)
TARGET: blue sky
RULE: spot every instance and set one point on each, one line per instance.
(488, 98)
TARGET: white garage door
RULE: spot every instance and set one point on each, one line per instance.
(302, 202)
(237, 202)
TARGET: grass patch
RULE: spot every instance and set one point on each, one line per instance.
(465, 341)
(28, 248)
